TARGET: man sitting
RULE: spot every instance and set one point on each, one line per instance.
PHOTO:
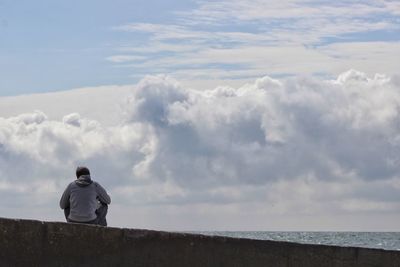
(84, 200)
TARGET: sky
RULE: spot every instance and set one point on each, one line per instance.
(204, 115)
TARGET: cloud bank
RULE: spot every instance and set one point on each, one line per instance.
(255, 157)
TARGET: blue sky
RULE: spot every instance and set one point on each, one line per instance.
(51, 46)
(47, 45)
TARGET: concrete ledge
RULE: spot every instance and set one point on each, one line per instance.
(35, 243)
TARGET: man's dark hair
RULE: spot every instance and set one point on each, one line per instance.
(82, 170)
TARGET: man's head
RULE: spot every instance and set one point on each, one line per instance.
(82, 170)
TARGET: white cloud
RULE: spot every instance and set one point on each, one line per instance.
(236, 41)
(196, 67)
(102, 103)
(242, 10)
(278, 149)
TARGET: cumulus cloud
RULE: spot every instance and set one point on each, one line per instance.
(266, 130)
(299, 146)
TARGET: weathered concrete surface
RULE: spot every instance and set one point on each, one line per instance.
(34, 243)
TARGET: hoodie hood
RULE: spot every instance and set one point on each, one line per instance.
(84, 180)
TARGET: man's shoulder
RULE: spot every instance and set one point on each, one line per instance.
(96, 183)
(98, 186)
(71, 184)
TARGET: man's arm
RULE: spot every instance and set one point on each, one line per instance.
(102, 194)
(64, 201)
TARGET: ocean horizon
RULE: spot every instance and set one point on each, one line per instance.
(377, 240)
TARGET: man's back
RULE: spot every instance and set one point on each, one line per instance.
(83, 202)
(83, 197)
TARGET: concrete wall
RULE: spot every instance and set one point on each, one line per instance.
(34, 243)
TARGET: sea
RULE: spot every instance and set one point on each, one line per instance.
(379, 240)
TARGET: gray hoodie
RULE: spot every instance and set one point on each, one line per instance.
(82, 197)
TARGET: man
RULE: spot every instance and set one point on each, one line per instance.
(84, 200)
